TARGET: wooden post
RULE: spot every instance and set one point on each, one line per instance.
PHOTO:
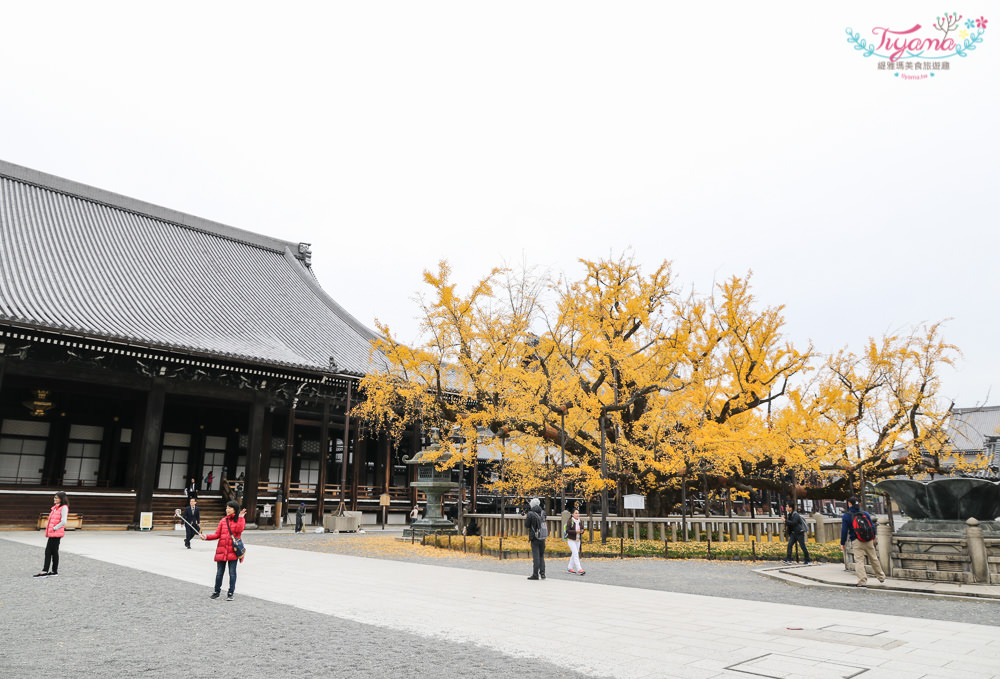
(286, 477)
(55, 452)
(360, 457)
(146, 449)
(347, 450)
(387, 474)
(196, 462)
(255, 445)
(324, 454)
(265, 446)
(110, 449)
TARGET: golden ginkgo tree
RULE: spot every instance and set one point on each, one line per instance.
(651, 391)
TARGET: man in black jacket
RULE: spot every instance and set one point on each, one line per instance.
(796, 527)
(535, 521)
(300, 515)
(193, 517)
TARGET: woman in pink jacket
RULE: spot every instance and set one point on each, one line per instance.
(230, 526)
(54, 531)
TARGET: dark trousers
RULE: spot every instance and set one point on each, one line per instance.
(298, 523)
(220, 569)
(189, 533)
(801, 539)
(52, 555)
(538, 557)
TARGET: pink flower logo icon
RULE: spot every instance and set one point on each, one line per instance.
(980, 22)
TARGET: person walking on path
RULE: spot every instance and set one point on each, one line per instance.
(414, 513)
(537, 532)
(230, 528)
(208, 480)
(193, 517)
(574, 538)
(191, 490)
(54, 531)
(299, 514)
(858, 527)
(796, 527)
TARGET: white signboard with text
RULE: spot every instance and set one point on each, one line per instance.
(635, 502)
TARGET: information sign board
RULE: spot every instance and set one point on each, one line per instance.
(635, 502)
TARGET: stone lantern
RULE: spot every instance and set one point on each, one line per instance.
(434, 483)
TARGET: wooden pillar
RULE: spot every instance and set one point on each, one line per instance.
(146, 438)
(255, 448)
(411, 469)
(286, 476)
(360, 457)
(387, 464)
(231, 458)
(110, 449)
(347, 451)
(55, 451)
(196, 463)
(475, 484)
(324, 454)
(380, 463)
(265, 446)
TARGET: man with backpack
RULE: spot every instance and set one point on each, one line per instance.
(858, 527)
(796, 527)
(537, 532)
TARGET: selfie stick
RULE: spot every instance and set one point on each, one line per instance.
(177, 513)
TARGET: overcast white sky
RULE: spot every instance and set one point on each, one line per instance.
(723, 136)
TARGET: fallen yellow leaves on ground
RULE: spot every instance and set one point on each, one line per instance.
(440, 547)
(740, 551)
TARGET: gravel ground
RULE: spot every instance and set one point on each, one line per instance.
(102, 620)
(730, 579)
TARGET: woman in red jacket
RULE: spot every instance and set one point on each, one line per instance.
(230, 527)
(54, 531)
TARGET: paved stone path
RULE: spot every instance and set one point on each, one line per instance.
(729, 579)
(563, 625)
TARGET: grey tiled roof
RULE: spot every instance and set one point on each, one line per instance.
(969, 427)
(87, 262)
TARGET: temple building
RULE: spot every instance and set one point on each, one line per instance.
(141, 347)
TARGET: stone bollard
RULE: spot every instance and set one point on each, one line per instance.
(819, 528)
(884, 546)
(977, 550)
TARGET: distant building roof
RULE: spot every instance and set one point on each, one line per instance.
(86, 262)
(968, 428)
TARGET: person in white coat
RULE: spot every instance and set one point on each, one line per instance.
(574, 538)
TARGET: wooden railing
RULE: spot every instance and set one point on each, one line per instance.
(766, 529)
(397, 494)
(34, 481)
